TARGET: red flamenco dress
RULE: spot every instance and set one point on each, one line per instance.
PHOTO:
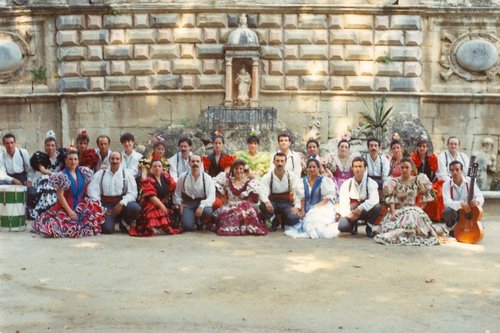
(56, 222)
(89, 159)
(154, 221)
(213, 169)
(429, 166)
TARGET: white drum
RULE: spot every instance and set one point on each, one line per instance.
(12, 208)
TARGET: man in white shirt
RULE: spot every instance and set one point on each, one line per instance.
(116, 189)
(179, 163)
(293, 159)
(130, 158)
(378, 165)
(194, 195)
(15, 166)
(279, 185)
(358, 200)
(103, 142)
(456, 193)
(452, 154)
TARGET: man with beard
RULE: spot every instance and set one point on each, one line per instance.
(179, 163)
(378, 165)
(116, 189)
(194, 195)
(280, 185)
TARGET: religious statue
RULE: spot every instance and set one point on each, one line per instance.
(486, 159)
(243, 80)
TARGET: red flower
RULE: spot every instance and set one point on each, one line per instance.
(206, 162)
(227, 161)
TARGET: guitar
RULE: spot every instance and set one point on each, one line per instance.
(469, 228)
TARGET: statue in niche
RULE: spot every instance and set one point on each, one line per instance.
(243, 80)
(486, 158)
(314, 129)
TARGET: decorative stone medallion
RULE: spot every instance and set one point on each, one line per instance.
(472, 56)
(13, 55)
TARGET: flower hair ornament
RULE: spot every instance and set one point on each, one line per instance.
(50, 134)
(395, 137)
(345, 137)
(255, 131)
(156, 140)
(164, 161)
(83, 132)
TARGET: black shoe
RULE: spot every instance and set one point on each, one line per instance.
(123, 228)
(354, 230)
(369, 231)
(452, 233)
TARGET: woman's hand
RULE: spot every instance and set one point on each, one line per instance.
(393, 215)
(72, 215)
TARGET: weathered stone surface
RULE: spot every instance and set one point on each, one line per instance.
(141, 51)
(210, 51)
(67, 38)
(210, 35)
(164, 51)
(320, 36)
(336, 52)
(165, 36)
(276, 67)
(188, 82)
(358, 21)
(413, 38)
(262, 35)
(312, 21)
(94, 21)
(165, 20)
(354, 52)
(406, 84)
(187, 51)
(272, 82)
(11, 56)
(73, 84)
(96, 83)
(188, 20)
(189, 35)
(70, 22)
(94, 52)
(118, 52)
(118, 21)
(401, 53)
(119, 83)
(117, 36)
(292, 83)
(224, 34)
(366, 68)
(359, 83)
(142, 82)
(92, 37)
(275, 36)
(94, 68)
(186, 66)
(406, 22)
(140, 67)
(313, 52)
(210, 66)
(389, 69)
(298, 36)
(381, 22)
(335, 21)
(477, 55)
(337, 83)
(291, 52)
(233, 20)
(297, 67)
(290, 21)
(270, 52)
(314, 82)
(141, 36)
(212, 20)
(381, 53)
(382, 84)
(391, 37)
(365, 37)
(118, 68)
(72, 53)
(412, 69)
(270, 21)
(166, 82)
(343, 68)
(68, 69)
(141, 21)
(163, 67)
(343, 37)
(210, 81)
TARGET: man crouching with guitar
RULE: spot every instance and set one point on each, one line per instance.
(462, 193)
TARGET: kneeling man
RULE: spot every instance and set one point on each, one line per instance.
(194, 195)
(358, 199)
(116, 189)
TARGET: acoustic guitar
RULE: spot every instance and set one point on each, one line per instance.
(469, 228)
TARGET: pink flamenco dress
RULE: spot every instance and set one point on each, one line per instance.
(56, 222)
(154, 221)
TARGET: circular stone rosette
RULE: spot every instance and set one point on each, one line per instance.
(13, 55)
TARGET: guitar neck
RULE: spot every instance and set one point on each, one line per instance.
(471, 189)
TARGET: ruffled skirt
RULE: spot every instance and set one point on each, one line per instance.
(156, 222)
(319, 222)
(44, 198)
(240, 220)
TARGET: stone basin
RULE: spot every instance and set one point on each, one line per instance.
(477, 55)
(11, 56)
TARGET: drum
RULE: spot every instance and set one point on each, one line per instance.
(12, 208)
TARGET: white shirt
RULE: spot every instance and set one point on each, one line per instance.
(281, 185)
(18, 163)
(293, 163)
(194, 188)
(131, 162)
(112, 185)
(104, 161)
(378, 168)
(444, 160)
(453, 194)
(350, 189)
(178, 165)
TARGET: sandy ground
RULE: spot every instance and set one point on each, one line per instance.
(199, 282)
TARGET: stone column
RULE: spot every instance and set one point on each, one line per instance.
(65, 124)
(229, 82)
(254, 101)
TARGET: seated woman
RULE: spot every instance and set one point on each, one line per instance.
(258, 162)
(239, 215)
(52, 161)
(74, 215)
(340, 165)
(312, 146)
(427, 163)
(317, 194)
(406, 223)
(159, 149)
(87, 156)
(157, 190)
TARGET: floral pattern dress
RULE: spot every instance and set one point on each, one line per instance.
(154, 221)
(258, 163)
(56, 222)
(243, 218)
(412, 226)
(341, 170)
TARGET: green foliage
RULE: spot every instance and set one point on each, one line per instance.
(385, 59)
(375, 118)
(39, 74)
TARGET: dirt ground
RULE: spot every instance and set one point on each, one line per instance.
(199, 282)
